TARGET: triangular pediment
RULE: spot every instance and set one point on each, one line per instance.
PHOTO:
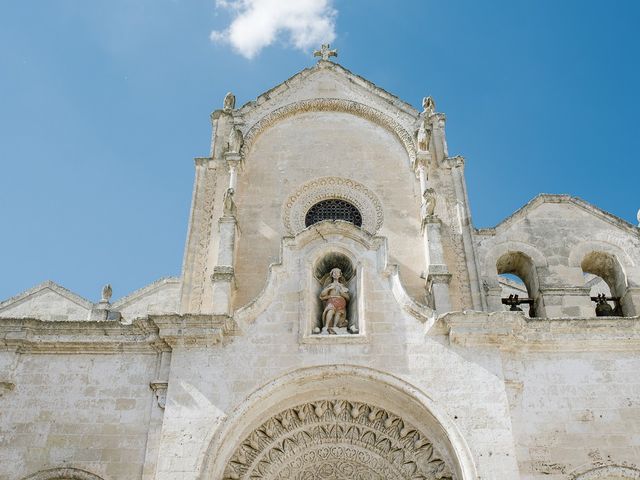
(568, 202)
(47, 301)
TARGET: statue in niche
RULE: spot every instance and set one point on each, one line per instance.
(229, 102)
(235, 141)
(336, 297)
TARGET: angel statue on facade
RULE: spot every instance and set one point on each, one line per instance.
(336, 296)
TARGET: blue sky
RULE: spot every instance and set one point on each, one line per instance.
(105, 104)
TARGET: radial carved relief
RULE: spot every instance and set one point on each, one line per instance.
(336, 440)
(366, 202)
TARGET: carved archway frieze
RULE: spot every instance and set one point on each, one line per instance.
(64, 473)
(336, 439)
(331, 105)
(298, 203)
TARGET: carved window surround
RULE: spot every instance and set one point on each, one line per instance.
(298, 203)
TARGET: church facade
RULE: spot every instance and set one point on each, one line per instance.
(338, 316)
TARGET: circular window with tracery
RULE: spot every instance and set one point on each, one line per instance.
(333, 209)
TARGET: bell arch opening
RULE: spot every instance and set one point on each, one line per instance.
(518, 274)
(342, 422)
(609, 285)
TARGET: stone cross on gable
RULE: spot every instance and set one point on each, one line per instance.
(325, 52)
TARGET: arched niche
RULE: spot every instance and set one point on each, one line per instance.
(322, 269)
(372, 418)
(65, 473)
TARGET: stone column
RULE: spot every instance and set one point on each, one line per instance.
(493, 293)
(563, 301)
(630, 301)
(438, 276)
(223, 276)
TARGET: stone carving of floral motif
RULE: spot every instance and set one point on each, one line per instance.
(336, 440)
(204, 234)
(298, 203)
(331, 105)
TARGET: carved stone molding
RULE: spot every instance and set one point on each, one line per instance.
(223, 273)
(32, 335)
(203, 237)
(160, 389)
(192, 330)
(298, 203)
(606, 472)
(336, 439)
(63, 474)
(330, 105)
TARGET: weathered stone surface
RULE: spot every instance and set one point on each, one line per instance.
(218, 374)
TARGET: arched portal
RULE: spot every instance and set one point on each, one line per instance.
(336, 439)
(338, 422)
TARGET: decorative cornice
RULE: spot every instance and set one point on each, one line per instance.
(330, 105)
(193, 330)
(507, 330)
(33, 335)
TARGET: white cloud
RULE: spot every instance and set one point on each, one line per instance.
(258, 23)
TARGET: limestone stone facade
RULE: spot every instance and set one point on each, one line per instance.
(230, 372)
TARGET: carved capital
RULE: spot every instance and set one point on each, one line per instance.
(223, 273)
(233, 158)
(438, 273)
(159, 387)
(455, 162)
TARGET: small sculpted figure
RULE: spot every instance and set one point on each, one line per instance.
(428, 106)
(229, 102)
(428, 203)
(229, 205)
(235, 141)
(424, 135)
(106, 293)
(336, 296)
